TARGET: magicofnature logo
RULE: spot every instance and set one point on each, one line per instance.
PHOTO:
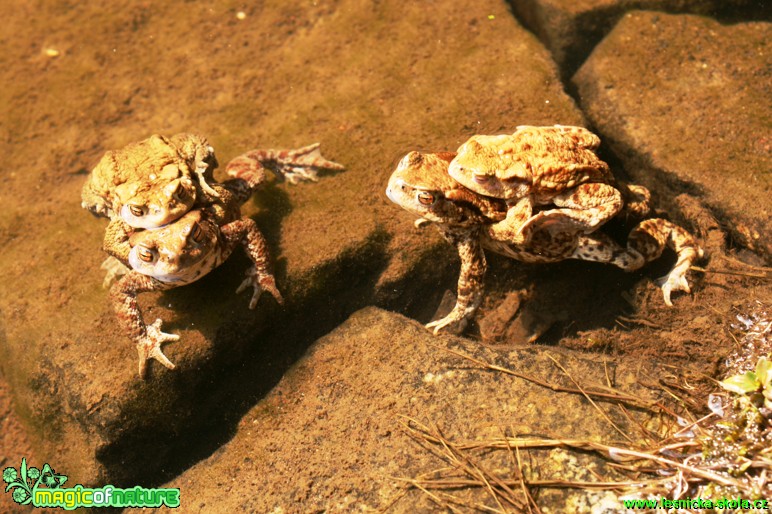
(43, 488)
(24, 482)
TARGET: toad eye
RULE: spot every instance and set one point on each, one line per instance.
(196, 233)
(136, 210)
(425, 198)
(145, 254)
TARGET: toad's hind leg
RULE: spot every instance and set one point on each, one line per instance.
(637, 200)
(645, 243)
(583, 208)
(580, 210)
(300, 164)
(598, 247)
(259, 276)
(651, 236)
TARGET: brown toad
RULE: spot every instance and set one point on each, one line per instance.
(155, 181)
(188, 248)
(539, 166)
(152, 182)
(421, 185)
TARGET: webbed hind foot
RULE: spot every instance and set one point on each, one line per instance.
(260, 282)
(294, 166)
(149, 347)
(675, 280)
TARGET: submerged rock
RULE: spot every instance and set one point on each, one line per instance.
(331, 435)
(370, 81)
(684, 101)
(572, 29)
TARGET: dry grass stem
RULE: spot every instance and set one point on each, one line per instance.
(725, 452)
(743, 264)
(729, 272)
(601, 411)
(597, 391)
(499, 490)
(614, 452)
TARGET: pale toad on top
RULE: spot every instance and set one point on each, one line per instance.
(422, 186)
(539, 166)
(152, 182)
(155, 181)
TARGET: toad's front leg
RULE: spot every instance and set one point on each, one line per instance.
(261, 279)
(470, 285)
(148, 338)
(116, 244)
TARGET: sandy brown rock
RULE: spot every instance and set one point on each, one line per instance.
(685, 101)
(370, 81)
(572, 29)
(330, 436)
(14, 445)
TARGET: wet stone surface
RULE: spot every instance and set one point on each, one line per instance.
(570, 30)
(684, 101)
(256, 403)
(358, 78)
(340, 413)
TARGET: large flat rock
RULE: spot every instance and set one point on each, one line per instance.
(684, 101)
(371, 81)
(572, 29)
(331, 437)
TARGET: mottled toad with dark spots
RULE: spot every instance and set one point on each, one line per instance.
(421, 185)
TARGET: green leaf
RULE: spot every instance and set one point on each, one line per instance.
(19, 484)
(741, 384)
(764, 372)
(767, 397)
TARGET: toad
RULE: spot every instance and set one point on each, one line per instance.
(152, 182)
(540, 166)
(155, 181)
(181, 252)
(422, 186)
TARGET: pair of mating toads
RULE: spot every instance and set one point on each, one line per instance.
(538, 195)
(171, 223)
